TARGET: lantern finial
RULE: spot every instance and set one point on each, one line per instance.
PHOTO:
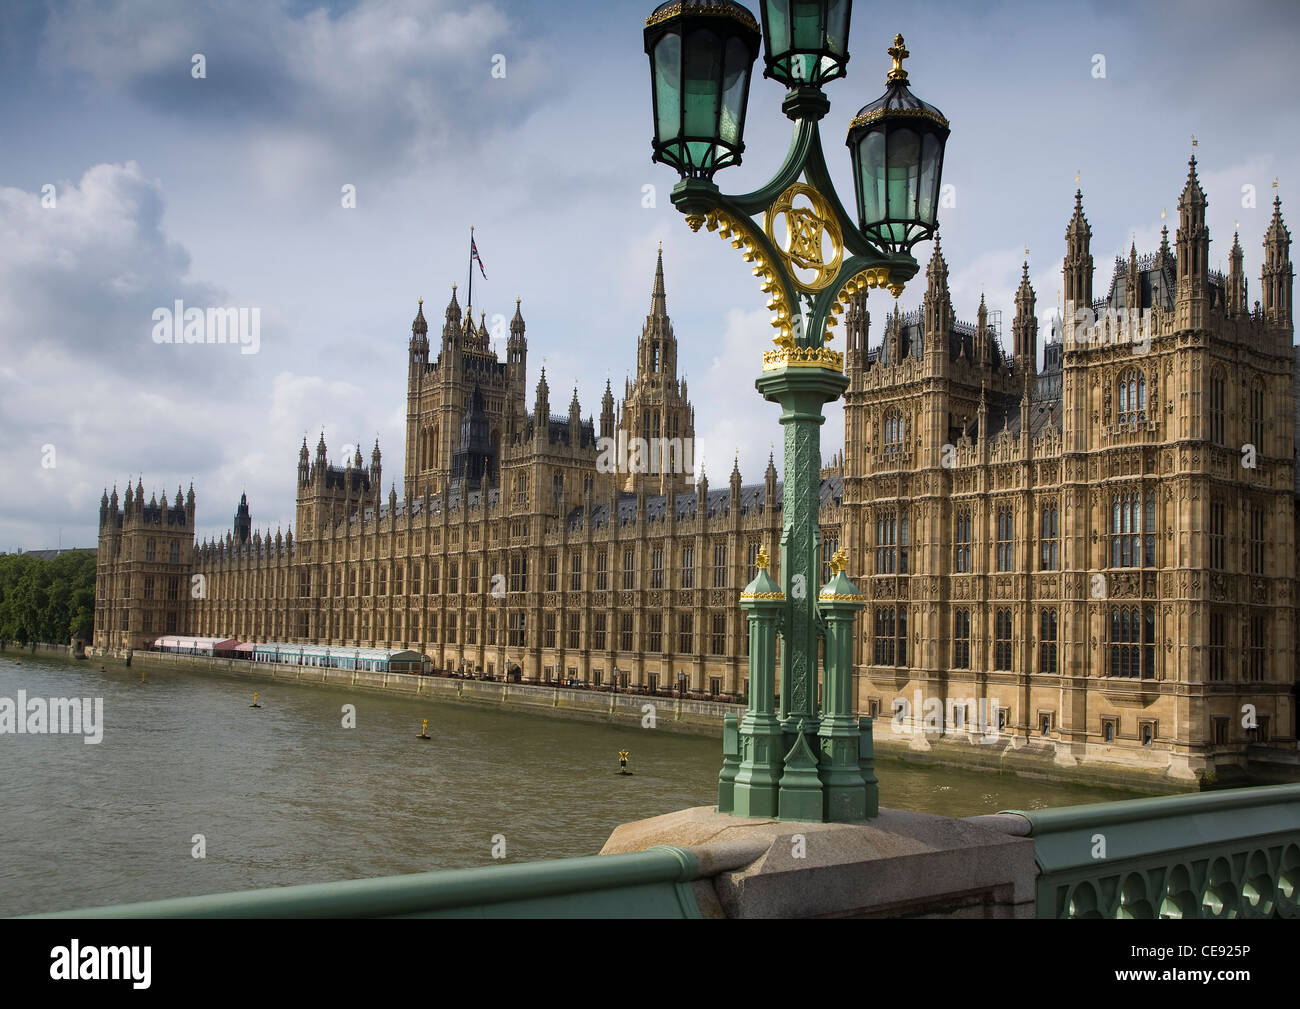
(899, 53)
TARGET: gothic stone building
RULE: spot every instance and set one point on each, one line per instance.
(1098, 557)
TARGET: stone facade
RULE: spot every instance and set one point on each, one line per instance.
(1094, 560)
(1098, 558)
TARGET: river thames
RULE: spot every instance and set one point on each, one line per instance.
(286, 794)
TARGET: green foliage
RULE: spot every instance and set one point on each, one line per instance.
(51, 601)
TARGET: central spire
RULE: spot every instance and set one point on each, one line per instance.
(658, 301)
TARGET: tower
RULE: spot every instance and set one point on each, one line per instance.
(1078, 261)
(655, 409)
(1024, 331)
(1192, 241)
(1277, 273)
(243, 520)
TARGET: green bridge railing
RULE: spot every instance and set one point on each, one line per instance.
(655, 883)
(1228, 854)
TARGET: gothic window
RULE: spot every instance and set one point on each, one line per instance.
(416, 571)
(453, 577)
(575, 630)
(149, 550)
(1216, 535)
(629, 568)
(516, 632)
(657, 568)
(886, 542)
(548, 630)
(557, 490)
(598, 631)
(1255, 658)
(1006, 546)
(398, 572)
(830, 544)
(718, 636)
(552, 569)
(685, 633)
(1002, 640)
(1050, 537)
(518, 574)
(1132, 530)
(961, 639)
(1255, 542)
(1257, 417)
(1132, 398)
(1218, 647)
(472, 578)
(655, 633)
(895, 430)
(1047, 637)
(688, 567)
(575, 572)
(625, 632)
(719, 568)
(602, 571)
(1216, 406)
(884, 645)
(1132, 642)
(175, 557)
(962, 540)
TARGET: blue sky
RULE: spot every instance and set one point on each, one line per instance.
(226, 190)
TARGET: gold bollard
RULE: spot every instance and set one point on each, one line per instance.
(255, 697)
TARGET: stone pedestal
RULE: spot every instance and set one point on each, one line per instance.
(900, 864)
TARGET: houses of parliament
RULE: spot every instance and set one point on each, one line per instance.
(1100, 550)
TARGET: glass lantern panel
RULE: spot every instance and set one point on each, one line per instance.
(871, 154)
(904, 169)
(930, 152)
(701, 84)
(737, 66)
(668, 76)
(807, 24)
(778, 26)
(837, 26)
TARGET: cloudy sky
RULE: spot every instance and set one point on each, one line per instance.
(227, 190)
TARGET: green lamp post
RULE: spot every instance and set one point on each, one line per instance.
(810, 257)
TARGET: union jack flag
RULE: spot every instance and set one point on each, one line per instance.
(474, 257)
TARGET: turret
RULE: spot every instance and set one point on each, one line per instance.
(542, 409)
(304, 463)
(1193, 243)
(1078, 266)
(938, 310)
(376, 471)
(607, 420)
(243, 520)
(1277, 274)
(419, 341)
(1025, 328)
(1236, 278)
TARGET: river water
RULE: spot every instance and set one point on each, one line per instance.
(286, 794)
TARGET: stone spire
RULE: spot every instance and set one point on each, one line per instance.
(1193, 242)
(1078, 266)
(1277, 274)
(658, 301)
(1236, 278)
(607, 419)
(938, 307)
(1025, 327)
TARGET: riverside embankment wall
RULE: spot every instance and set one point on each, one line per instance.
(693, 717)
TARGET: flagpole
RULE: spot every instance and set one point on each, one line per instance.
(469, 303)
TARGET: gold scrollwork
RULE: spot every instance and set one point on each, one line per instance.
(805, 229)
(744, 237)
(874, 276)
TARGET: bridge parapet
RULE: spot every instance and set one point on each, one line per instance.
(1227, 854)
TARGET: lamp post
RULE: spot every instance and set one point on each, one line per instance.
(701, 54)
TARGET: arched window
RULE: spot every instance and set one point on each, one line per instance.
(1216, 406)
(1132, 397)
(962, 540)
(1257, 416)
(1132, 530)
(895, 432)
